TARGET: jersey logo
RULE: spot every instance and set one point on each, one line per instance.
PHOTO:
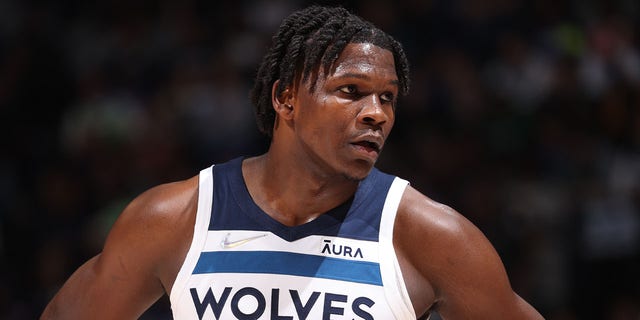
(227, 244)
(340, 250)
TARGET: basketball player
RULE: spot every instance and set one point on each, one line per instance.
(310, 229)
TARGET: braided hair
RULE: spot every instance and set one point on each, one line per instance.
(307, 40)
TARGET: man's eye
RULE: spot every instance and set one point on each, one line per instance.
(387, 97)
(350, 89)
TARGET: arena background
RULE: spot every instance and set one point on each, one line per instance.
(523, 115)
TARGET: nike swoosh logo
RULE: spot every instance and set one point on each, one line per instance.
(226, 244)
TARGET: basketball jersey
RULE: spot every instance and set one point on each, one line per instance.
(243, 264)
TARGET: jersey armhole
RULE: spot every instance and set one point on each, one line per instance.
(392, 279)
(203, 216)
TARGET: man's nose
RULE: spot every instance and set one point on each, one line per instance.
(373, 112)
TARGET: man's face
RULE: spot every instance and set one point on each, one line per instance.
(344, 121)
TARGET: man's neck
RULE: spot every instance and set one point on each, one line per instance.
(292, 193)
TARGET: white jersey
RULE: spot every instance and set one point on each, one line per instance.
(243, 264)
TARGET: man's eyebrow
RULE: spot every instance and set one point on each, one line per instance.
(363, 76)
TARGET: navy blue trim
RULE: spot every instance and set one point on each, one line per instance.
(358, 218)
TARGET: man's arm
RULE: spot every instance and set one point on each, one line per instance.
(140, 259)
(448, 253)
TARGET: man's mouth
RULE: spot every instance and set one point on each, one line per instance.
(368, 146)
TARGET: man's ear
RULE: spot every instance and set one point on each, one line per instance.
(282, 103)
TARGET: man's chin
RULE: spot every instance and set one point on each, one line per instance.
(354, 178)
(359, 173)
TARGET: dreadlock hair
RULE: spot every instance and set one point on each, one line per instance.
(307, 40)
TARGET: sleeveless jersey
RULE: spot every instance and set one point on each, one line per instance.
(243, 264)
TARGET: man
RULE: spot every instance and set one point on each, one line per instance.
(310, 229)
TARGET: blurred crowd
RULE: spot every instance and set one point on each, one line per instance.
(523, 115)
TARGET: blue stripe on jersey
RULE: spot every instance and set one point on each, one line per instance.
(287, 263)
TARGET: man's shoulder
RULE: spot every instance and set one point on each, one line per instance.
(418, 205)
(430, 218)
(170, 197)
(163, 205)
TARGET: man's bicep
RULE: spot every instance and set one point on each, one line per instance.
(93, 291)
(105, 287)
(477, 284)
(120, 282)
(68, 302)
